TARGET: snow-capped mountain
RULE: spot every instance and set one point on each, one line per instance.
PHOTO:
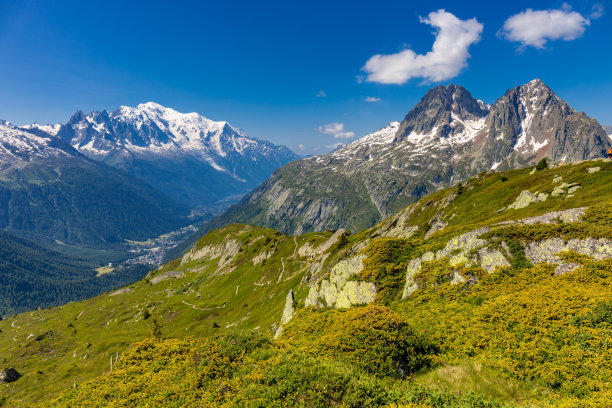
(185, 155)
(50, 193)
(18, 144)
(608, 130)
(447, 137)
(50, 129)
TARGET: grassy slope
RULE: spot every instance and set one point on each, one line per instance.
(73, 343)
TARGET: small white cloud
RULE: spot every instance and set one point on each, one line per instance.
(446, 59)
(335, 146)
(597, 11)
(373, 99)
(321, 94)
(336, 130)
(301, 147)
(536, 27)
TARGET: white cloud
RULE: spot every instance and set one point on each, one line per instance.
(598, 11)
(336, 130)
(301, 147)
(536, 27)
(373, 99)
(446, 59)
(321, 94)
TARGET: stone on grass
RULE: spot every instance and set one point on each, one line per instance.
(9, 375)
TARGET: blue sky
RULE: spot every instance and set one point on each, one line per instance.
(265, 66)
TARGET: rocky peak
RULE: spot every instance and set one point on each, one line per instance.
(531, 122)
(439, 108)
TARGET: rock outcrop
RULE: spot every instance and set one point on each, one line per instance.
(547, 250)
(167, 275)
(340, 292)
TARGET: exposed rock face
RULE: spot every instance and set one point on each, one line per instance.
(356, 293)
(446, 138)
(224, 252)
(331, 241)
(491, 259)
(524, 199)
(167, 275)
(121, 292)
(570, 215)
(9, 375)
(564, 268)
(337, 291)
(289, 309)
(547, 250)
(410, 286)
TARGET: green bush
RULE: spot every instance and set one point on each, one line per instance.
(373, 338)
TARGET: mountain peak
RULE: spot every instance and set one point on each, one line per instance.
(443, 112)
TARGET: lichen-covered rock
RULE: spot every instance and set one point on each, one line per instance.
(289, 309)
(593, 169)
(457, 278)
(525, 198)
(344, 269)
(557, 179)
(542, 197)
(564, 268)
(459, 259)
(570, 215)
(410, 286)
(328, 292)
(547, 250)
(573, 189)
(557, 192)
(438, 225)
(312, 300)
(492, 259)
(428, 256)
(466, 242)
(338, 291)
(356, 293)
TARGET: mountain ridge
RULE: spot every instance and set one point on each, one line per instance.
(187, 156)
(446, 138)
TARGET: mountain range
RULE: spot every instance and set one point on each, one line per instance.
(52, 194)
(192, 159)
(446, 138)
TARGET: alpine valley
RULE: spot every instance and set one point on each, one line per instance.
(446, 138)
(90, 205)
(507, 305)
(460, 258)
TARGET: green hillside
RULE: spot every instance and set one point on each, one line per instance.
(496, 292)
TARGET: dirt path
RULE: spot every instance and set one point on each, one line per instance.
(199, 308)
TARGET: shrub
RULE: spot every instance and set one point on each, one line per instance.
(374, 338)
(542, 164)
